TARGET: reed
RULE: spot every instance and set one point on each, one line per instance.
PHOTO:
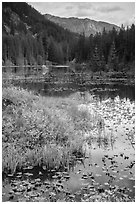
(41, 130)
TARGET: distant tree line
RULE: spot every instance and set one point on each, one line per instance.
(27, 49)
(109, 50)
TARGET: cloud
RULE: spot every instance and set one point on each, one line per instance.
(69, 7)
(110, 9)
(85, 9)
(112, 12)
(85, 6)
(84, 13)
(79, 9)
(130, 21)
(94, 9)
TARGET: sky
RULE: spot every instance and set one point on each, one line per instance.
(113, 12)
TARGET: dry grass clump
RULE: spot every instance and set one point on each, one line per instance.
(40, 130)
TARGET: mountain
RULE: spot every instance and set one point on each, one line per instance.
(21, 18)
(80, 26)
(27, 37)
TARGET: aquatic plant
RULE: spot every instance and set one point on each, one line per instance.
(41, 130)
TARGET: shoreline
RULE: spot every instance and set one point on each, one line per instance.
(84, 81)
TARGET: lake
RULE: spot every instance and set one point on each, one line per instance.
(103, 91)
(109, 163)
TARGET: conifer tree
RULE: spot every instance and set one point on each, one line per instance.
(103, 63)
(112, 58)
(96, 60)
(45, 45)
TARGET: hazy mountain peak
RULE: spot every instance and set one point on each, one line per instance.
(80, 25)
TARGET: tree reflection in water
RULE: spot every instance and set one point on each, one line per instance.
(103, 139)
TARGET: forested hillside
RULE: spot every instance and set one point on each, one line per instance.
(29, 38)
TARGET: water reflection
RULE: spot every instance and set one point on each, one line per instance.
(111, 153)
(106, 91)
(102, 91)
(104, 142)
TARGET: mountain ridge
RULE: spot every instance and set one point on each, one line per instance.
(23, 18)
(81, 25)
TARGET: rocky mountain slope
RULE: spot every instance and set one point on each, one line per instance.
(21, 18)
(80, 26)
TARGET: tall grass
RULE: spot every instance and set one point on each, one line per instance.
(38, 130)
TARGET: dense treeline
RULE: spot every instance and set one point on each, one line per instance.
(109, 50)
(26, 49)
(30, 39)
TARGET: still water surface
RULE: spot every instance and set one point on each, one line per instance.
(103, 91)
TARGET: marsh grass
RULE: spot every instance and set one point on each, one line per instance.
(44, 131)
